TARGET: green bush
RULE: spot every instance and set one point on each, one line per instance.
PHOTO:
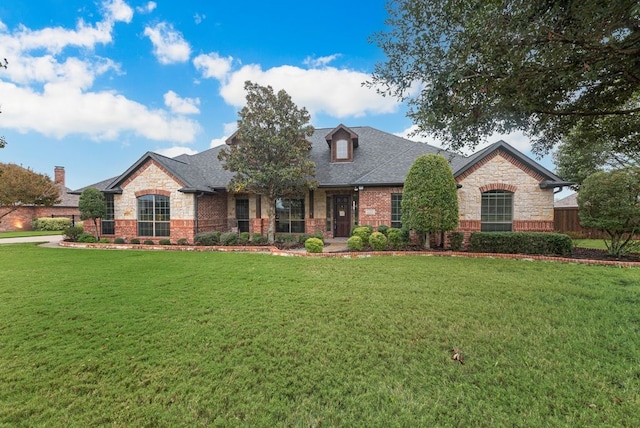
(164, 242)
(354, 243)
(243, 238)
(119, 241)
(383, 228)
(456, 239)
(72, 233)
(48, 223)
(521, 243)
(148, 242)
(378, 241)
(207, 238)
(229, 238)
(183, 241)
(258, 239)
(87, 238)
(134, 241)
(286, 238)
(314, 245)
(104, 241)
(396, 238)
(363, 232)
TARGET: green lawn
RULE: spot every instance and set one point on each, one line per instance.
(141, 338)
(23, 233)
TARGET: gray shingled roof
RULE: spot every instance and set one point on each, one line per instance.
(380, 159)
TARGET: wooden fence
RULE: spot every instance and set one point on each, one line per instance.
(566, 219)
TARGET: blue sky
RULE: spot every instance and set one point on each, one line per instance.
(93, 85)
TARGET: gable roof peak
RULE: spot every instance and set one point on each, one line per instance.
(352, 135)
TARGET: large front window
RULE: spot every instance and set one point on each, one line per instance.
(107, 222)
(497, 211)
(396, 210)
(154, 215)
(290, 215)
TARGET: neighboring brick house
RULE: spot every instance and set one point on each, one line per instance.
(21, 218)
(361, 172)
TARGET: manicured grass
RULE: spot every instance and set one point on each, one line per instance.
(21, 234)
(591, 243)
(141, 338)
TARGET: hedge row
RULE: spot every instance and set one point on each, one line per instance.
(521, 243)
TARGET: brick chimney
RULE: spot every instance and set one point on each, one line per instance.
(58, 175)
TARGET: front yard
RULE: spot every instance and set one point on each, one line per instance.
(140, 338)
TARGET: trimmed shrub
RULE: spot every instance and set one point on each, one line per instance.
(164, 242)
(207, 238)
(286, 238)
(148, 242)
(314, 245)
(319, 235)
(104, 241)
(182, 241)
(521, 243)
(48, 223)
(258, 239)
(134, 241)
(363, 232)
(119, 241)
(396, 238)
(383, 229)
(456, 239)
(229, 238)
(87, 238)
(243, 238)
(378, 241)
(72, 233)
(354, 243)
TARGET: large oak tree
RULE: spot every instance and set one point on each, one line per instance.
(270, 154)
(20, 186)
(469, 68)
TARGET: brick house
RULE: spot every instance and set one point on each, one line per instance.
(21, 218)
(360, 170)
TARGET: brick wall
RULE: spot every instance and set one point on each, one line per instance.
(374, 205)
(21, 218)
(212, 212)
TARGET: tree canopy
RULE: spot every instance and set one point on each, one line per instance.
(20, 186)
(270, 154)
(92, 206)
(470, 68)
(610, 201)
(429, 197)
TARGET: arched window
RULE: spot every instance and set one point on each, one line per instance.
(154, 215)
(497, 211)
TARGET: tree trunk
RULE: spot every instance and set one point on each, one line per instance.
(271, 210)
(95, 224)
(427, 241)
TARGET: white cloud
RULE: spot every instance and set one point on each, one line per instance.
(198, 18)
(174, 151)
(323, 61)
(168, 44)
(336, 92)
(181, 105)
(147, 8)
(118, 10)
(213, 65)
(215, 142)
(516, 139)
(230, 127)
(62, 109)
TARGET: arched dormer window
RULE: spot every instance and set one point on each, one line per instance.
(342, 141)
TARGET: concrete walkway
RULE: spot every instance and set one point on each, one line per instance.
(49, 240)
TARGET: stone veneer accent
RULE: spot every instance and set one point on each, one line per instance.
(533, 206)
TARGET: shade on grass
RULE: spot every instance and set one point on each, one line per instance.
(135, 338)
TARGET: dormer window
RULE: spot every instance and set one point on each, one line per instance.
(342, 141)
(342, 149)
